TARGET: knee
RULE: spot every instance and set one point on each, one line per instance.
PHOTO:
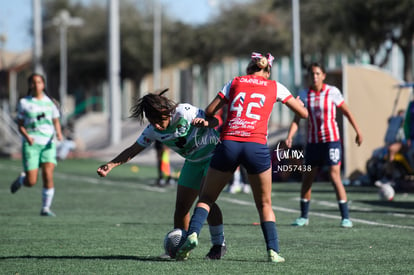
(29, 181)
(214, 208)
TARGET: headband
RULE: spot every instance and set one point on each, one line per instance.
(268, 56)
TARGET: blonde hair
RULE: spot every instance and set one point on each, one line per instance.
(262, 62)
(258, 64)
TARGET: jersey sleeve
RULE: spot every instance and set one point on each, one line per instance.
(283, 93)
(225, 92)
(188, 112)
(146, 138)
(20, 111)
(55, 111)
(337, 97)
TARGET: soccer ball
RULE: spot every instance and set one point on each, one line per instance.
(173, 240)
(386, 192)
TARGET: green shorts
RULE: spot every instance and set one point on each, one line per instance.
(193, 173)
(36, 154)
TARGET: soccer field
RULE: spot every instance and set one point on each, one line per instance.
(116, 225)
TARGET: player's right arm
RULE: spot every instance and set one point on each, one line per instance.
(122, 158)
(217, 103)
(23, 131)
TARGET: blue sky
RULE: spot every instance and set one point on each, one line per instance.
(16, 17)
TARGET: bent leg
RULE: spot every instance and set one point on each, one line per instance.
(30, 178)
(185, 198)
(215, 181)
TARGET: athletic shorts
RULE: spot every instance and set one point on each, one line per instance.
(229, 154)
(36, 154)
(192, 173)
(321, 154)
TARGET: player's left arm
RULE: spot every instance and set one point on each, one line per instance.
(58, 128)
(345, 110)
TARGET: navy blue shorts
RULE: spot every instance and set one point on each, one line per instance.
(321, 154)
(228, 155)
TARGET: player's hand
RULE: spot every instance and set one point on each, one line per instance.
(30, 140)
(199, 122)
(358, 139)
(59, 136)
(288, 142)
(103, 170)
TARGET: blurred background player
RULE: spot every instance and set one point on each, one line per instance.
(394, 137)
(323, 145)
(239, 182)
(409, 131)
(38, 123)
(176, 126)
(250, 100)
(163, 165)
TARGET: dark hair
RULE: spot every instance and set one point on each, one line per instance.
(258, 64)
(316, 64)
(30, 90)
(154, 106)
(30, 81)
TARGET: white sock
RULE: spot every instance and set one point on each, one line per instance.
(217, 234)
(237, 176)
(47, 197)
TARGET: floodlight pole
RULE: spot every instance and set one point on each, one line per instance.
(114, 72)
(157, 45)
(37, 42)
(63, 21)
(296, 44)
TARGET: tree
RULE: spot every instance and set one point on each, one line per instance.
(357, 26)
(374, 23)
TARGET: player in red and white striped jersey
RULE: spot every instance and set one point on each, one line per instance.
(324, 146)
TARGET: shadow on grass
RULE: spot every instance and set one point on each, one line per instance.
(109, 257)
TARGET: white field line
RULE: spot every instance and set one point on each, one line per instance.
(92, 180)
(289, 210)
(235, 201)
(359, 208)
(105, 181)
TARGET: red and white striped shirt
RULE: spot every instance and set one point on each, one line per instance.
(321, 105)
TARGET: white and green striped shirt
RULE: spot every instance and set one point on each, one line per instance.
(193, 143)
(37, 116)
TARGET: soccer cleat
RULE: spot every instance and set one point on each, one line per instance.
(273, 257)
(301, 222)
(235, 188)
(47, 213)
(216, 252)
(190, 243)
(246, 188)
(164, 256)
(17, 183)
(346, 223)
